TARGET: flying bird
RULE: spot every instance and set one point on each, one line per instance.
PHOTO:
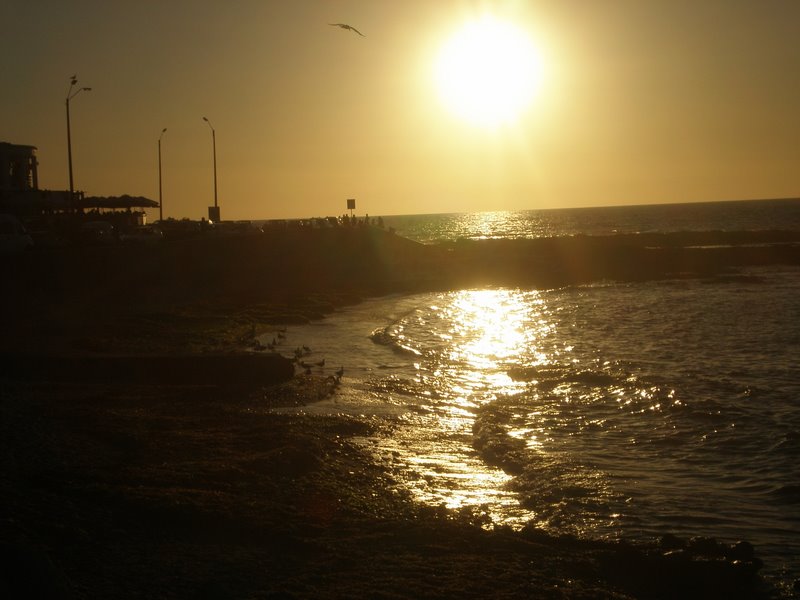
(346, 26)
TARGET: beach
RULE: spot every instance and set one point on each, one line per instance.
(187, 485)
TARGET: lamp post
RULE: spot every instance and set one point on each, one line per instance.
(214, 148)
(160, 203)
(70, 95)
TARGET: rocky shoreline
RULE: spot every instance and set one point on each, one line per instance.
(177, 491)
(207, 295)
(127, 481)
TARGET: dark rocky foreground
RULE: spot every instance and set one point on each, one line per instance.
(137, 490)
(234, 369)
(138, 459)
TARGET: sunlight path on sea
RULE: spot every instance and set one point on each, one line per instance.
(427, 363)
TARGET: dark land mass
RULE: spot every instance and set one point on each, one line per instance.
(191, 290)
(140, 458)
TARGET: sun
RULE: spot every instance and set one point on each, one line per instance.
(487, 72)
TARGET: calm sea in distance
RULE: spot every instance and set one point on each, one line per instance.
(620, 410)
(702, 216)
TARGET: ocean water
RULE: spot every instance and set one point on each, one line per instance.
(700, 216)
(615, 410)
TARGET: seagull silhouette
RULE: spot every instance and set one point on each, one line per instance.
(346, 26)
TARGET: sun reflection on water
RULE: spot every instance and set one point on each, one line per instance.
(489, 326)
(481, 334)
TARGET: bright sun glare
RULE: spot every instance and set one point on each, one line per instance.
(488, 72)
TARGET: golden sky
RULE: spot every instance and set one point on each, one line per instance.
(637, 101)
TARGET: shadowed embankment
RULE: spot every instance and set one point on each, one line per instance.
(132, 464)
(149, 294)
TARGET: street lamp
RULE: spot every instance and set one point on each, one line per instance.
(70, 96)
(160, 203)
(214, 147)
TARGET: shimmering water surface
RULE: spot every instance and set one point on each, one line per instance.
(700, 216)
(610, 410)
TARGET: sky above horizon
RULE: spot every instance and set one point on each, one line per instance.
(635, 102)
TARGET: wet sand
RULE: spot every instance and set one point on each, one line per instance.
(132, 485)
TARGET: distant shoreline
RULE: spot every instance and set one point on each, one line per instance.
(554, 208)
(293, 275)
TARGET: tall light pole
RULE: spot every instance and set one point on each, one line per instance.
(70, 95)
(214, 147)
(160, 203)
